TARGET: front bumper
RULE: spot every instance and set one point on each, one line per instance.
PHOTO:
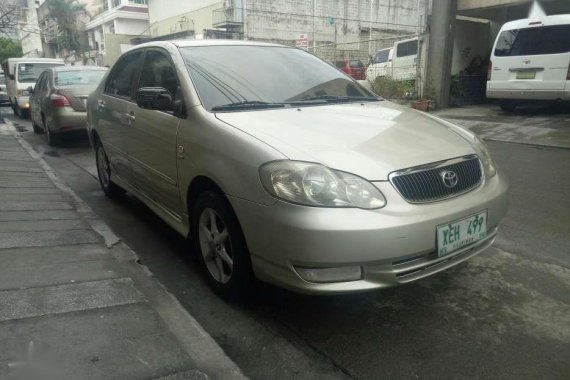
(393, 245)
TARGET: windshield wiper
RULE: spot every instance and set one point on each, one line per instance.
(338, 98)
(247, 104)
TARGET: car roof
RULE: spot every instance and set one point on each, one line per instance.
(78, 68)
(543, 21)
(35, 60)
(195, 43)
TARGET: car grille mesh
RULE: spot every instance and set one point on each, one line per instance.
(427, 185)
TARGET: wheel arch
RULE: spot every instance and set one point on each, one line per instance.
(200, 184)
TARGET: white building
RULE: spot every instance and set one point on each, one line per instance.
(29, 31)
(124, 18)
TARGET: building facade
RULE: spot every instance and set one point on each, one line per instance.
(113, 26)
(29, 31)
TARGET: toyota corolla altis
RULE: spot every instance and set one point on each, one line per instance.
(280, 167)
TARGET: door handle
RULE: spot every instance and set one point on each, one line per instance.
(100, 105)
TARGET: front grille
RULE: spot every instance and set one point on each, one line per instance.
(426, 183)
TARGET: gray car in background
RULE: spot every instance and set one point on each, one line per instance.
(283, 168)
(57, 102)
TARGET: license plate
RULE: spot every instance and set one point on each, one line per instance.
(458, 234)
(526, 74)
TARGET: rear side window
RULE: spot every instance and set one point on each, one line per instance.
(382, 56)
(122, 78)
(78, 78)
(339, 64)
(407, 48)
(356, 63)
(534, 41)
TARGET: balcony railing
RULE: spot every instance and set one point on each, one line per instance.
(227, 17)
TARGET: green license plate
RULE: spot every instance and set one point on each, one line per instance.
(526, 74)
(458, 234)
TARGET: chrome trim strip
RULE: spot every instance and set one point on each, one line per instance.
(436, 165)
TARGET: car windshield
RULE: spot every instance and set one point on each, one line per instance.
(78, 78)
(250, 75)
(30, 72)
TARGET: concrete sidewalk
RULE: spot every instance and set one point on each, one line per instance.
(74, 303)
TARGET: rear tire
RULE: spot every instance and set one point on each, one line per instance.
(110, 189)
(508, 105)
(221, 247)
(52, 139)
(37, 129)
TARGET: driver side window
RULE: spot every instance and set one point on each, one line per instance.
(158, 71)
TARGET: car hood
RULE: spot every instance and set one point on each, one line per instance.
(370, 140)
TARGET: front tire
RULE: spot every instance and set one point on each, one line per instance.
(221, 246)
(110, 189)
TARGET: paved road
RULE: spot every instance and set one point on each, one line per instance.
(504, 314)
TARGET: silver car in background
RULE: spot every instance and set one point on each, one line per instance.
(57, 101)
(282, 168)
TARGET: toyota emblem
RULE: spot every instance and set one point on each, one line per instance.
(449, 178)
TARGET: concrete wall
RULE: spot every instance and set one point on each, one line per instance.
(114, 46)
(341, 27)
(160, 10)
(130, 26)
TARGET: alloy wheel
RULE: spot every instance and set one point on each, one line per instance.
(215, 245)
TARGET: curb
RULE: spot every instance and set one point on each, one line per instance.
(194, 340)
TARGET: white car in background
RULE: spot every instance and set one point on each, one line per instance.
(531, 62)
(399, 62)
(381, 65)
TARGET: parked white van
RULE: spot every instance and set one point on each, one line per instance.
(22, 73)
(399, 62)
(381, 65)
(531, 61)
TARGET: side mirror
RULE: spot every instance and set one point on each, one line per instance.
(31, 90)
(155, 98)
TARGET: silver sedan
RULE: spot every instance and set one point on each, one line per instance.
(282, 168)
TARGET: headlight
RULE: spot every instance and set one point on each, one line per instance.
(485, 156)
(312, 184)
(23, 93)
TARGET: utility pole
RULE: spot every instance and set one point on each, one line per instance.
(441, 35)
(370, 29)
(314, 25)
(244, 18)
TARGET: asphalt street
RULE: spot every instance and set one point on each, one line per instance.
(504, 314)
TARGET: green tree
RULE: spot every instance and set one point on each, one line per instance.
(65, 13)
(9, 49)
